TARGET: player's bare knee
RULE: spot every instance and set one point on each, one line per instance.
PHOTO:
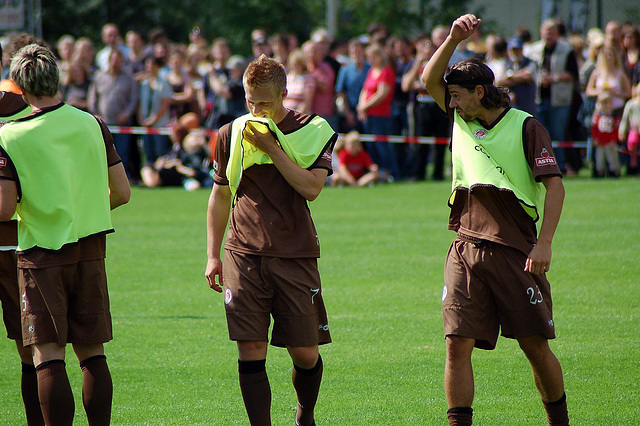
(87, 351)
(304, 357)
(251, 350)
(534, 347)
(458, 347)
(26, 356)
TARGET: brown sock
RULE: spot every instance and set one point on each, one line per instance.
(460, 416)
(256, 391)
(557, 414)
(307, 385)
(97, 390)
(30, 395)
(54, 392)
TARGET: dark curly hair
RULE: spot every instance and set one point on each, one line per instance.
(473, 72)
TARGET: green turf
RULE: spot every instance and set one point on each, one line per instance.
(383, 251)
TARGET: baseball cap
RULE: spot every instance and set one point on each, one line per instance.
(514, 43)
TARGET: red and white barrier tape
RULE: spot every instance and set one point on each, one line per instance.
(365, 138)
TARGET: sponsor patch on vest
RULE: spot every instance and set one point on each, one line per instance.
(545, 159)
(480, 134)
(3, 161)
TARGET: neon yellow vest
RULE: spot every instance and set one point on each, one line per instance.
(61, 161)
(303, 146)
(496, 157)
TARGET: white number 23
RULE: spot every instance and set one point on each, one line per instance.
(534, 295)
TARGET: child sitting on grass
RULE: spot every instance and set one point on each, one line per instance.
(355, 166)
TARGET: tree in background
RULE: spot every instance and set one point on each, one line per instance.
(234, 19)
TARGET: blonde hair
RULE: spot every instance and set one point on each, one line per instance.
(265, 72)
(352, 138)
(296, 58)
(35, 71)
(376, 49)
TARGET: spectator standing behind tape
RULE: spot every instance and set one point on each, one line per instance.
(557, 75)
(113, 96)
(401, 59)
(215, 80)
(75, 90)
(425, 113)
(350, 81)
(518, 77)
(184, 94)
(374, 110)
(155, 97)
(84, 53)
(134, 61)
(64, 48)
(324, 78)
(113, 41)
(300, 85)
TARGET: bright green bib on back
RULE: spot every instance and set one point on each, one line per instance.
(496, 157)
(61, 162)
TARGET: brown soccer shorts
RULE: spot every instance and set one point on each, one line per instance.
(487, 291)
(257, 288)
(66, 304)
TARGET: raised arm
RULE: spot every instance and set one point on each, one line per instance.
(433, 74)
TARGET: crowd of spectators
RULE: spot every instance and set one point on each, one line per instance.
(581, 87)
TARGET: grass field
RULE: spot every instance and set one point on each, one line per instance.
(383, 250)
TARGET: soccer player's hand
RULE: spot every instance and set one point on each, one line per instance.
(464, 26)
(539, 259)
(258, 135)
(214, 268)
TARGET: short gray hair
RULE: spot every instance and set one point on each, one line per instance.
(34, 70)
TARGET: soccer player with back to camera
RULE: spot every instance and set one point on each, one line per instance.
(269, 164)
(505, 182)
(60, 171)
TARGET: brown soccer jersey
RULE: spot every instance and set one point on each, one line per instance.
(269, 217)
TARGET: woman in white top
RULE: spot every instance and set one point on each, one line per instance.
(610, 76)
(300, 85)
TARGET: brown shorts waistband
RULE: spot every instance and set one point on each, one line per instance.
(478, 242)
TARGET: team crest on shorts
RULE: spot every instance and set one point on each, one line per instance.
(228, 297)
(480, 134)
(545, 159)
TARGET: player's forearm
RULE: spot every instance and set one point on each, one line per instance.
(307, 183)
(434, 70)
(552, 209)
(217, 219)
